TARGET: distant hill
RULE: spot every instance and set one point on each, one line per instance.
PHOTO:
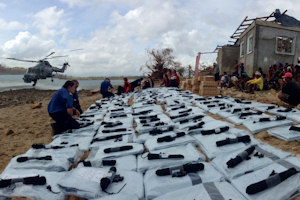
(13, 70)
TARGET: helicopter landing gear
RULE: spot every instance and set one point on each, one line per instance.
(34, 82)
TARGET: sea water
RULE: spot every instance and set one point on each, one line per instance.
(15, 82)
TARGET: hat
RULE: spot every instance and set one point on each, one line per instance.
(242, 63)
(288, 74)
(258, 73)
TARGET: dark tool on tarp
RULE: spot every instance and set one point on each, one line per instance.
(244, 139)
(187, 168)
(271, 181)
(106, 181)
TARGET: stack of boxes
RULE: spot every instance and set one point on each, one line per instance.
(208, 86)
(195, 85)
(202, 85)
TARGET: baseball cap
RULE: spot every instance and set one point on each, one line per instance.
(288, 74)
(257, 73)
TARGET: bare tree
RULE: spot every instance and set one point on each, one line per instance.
(160, 61)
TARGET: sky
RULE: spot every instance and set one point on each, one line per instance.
(114, 35)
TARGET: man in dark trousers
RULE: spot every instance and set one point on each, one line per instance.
(60, 108)
(105, 85)
(136, 83)
(290, 92)
(75, 98)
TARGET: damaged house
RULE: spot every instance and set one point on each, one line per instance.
(262, 42)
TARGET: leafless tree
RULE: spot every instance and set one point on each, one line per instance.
(160, 61)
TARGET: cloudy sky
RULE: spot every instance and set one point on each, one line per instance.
(115, 34)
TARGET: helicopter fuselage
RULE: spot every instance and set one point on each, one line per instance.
(42, 70)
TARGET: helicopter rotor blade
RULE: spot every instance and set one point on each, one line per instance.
(57, 57)
(50, 54)
(21, 60)
(76, 49)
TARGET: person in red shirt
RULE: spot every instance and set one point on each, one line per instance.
(127, 86)
(175, 80)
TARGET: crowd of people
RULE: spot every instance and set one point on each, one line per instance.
(64, 104)
(283, 78)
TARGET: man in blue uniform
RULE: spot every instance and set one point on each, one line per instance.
(104, 88)
(60, 108)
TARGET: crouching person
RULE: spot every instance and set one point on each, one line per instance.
(255, 84)
(60, 109)
(290, 92)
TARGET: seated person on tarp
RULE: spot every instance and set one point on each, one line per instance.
(76, 99)
(290, 92)
(60, 108)
(136, 83)
(126, 88)
(175, 80)
(105, 85)
(166, 80)
(255, 84)
(243, 80)
(147, 83)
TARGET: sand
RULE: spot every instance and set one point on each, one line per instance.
(21, 126)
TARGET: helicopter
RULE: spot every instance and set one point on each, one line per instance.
(42, 70)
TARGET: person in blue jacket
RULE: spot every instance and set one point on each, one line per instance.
(105, 85)
(60, 109)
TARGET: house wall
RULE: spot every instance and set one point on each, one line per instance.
(226, 58)
(249, 57)
(266, 43)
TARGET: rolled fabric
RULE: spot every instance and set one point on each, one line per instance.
(117, 149)
(294, 128)
(185, 111)
(199, 125)
(142, 112)
(285, 110)
(107, 138)
(42, 146)
(160, 131)
(179, 116)
(35, 180)
(113, 125)
(147, 117)
(245, 139)
(245, 114)
(114, 130)
(177, 108)
(266, 119)
(156, 156)
(24, 159)
(240, 157)
(188, 168)
(170, 138)
(116, 110)
(270, 181)
(109, 162)
(215, 131)
(143, 121)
